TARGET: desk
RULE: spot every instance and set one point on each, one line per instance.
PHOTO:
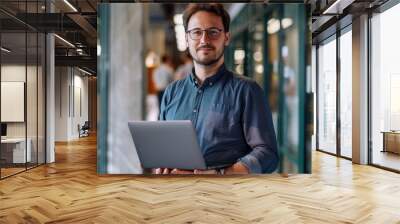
(15, 148)
(391, 141)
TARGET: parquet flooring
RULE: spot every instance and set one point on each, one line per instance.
(10, 171)
(70, 191)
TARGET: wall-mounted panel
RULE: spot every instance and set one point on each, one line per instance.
(12, 101)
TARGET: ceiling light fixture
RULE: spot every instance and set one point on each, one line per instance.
(286, 22)
(337, 7)
(151, 59)
(84, 71)
(70, 5)
(65, 41)
(239, 55)
(274, 26)
(5, 50)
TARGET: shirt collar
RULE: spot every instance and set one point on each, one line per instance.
(210, 80)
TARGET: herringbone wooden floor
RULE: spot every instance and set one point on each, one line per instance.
(70, 191)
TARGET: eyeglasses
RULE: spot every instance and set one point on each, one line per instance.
(212, 33)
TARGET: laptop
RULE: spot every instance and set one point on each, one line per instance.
(168, 144)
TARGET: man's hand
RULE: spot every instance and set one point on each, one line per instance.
(178, 171)
(161, 171)
(237, 168)
(205, 172)
(171, 171)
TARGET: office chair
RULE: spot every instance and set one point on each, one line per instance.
(84, 130)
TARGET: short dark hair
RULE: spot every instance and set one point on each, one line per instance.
(164, 58)
(214, 8)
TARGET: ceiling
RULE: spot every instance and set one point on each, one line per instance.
(74, 21)
(330, 15)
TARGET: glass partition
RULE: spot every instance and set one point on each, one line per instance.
(14, 152)
(22, 91)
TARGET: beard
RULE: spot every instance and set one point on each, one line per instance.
(207, 61)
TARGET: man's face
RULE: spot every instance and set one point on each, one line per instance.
(208, 49)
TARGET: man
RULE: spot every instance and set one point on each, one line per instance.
(229, 112)
(163, 76)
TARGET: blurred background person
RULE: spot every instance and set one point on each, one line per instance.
(163, 75)
(184, 69)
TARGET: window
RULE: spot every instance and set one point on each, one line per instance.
(346, 93)
(385, 88)
(327, 96)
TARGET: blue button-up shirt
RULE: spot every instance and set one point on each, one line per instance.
(231, 116)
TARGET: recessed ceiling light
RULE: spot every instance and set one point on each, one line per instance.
(70, 5)
(5, 50)
(84, 71)
(337, 7)
(64, 40)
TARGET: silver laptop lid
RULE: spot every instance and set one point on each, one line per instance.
(167, 144)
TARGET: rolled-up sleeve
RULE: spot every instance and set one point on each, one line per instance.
(258, 131)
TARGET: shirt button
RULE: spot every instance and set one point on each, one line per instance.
(210, 83)
(194, 111)
(199, 91)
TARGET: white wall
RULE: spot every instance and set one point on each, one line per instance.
(61, 103)
(79, 117)
(12, 73)
(70, 83)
